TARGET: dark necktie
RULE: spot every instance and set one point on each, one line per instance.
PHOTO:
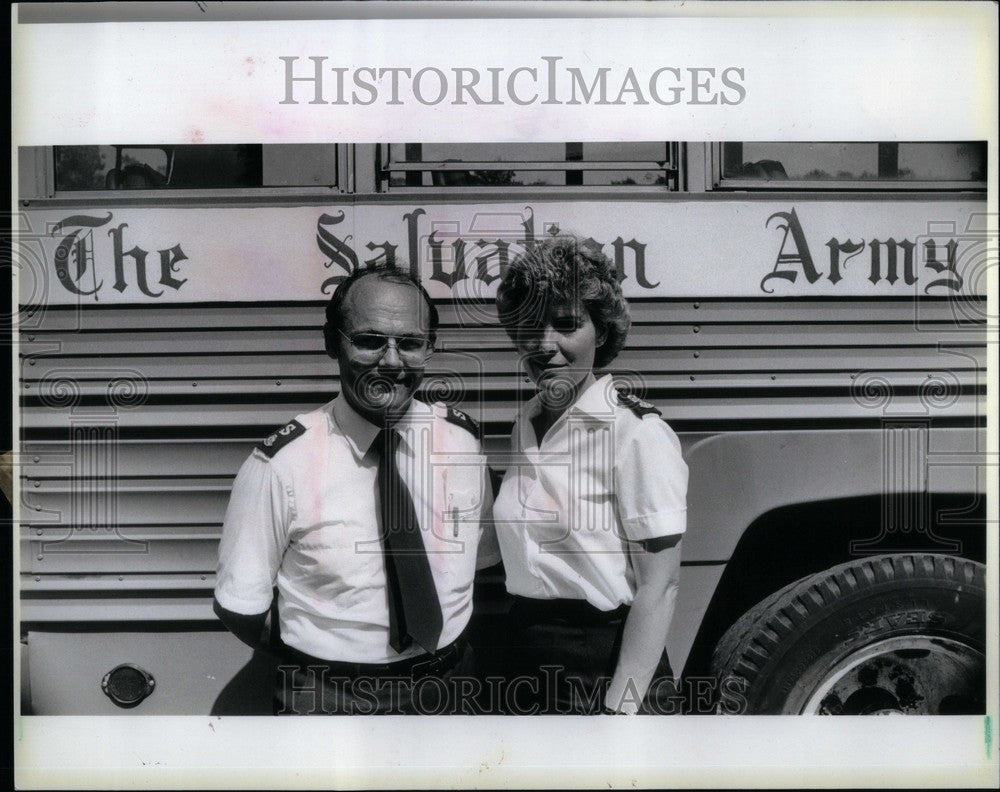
(414, 610)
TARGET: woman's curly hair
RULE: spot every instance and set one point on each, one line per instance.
(565, 271)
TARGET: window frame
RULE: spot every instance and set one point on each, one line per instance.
(674, 172)
(344, 181)
(719, 183)
(357, 168)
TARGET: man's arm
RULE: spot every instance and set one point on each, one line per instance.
(254, 630)
(250, 552)
(488, 551)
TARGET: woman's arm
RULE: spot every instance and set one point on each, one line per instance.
(656, 576)
(651, 480)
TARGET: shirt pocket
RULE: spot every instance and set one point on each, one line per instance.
(458, 504)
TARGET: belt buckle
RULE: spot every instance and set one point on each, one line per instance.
(426, 668)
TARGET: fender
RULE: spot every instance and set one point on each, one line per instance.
(737, 477)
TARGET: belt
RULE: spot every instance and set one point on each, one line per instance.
(572, 610)
(418, 667)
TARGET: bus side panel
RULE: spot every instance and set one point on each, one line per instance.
(737, 477)
(194, 673)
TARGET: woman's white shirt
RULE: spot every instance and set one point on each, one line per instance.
(608, 471)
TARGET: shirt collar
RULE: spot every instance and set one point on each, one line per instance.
(596, 402)
(361, 433)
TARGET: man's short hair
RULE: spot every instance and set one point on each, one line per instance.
(384, 272)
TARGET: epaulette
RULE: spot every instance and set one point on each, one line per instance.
(460, 418)
(275, 441)
(635, 404)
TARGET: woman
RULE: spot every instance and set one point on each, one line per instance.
(592, 507)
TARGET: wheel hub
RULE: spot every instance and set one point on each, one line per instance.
(905, 675)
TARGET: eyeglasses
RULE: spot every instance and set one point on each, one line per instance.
(370, 347)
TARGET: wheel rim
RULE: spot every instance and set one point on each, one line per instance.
(905, 675)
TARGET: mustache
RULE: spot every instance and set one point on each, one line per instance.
(377, 388)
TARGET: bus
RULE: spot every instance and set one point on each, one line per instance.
(809, 317)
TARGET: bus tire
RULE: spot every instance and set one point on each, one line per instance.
(891, 634)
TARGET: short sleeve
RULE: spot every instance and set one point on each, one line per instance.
(488, 552)
(464, 441)
(254, 536)
(651, 480)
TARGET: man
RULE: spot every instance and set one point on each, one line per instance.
(366, 514)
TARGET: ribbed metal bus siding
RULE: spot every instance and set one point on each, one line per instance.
(135, 419)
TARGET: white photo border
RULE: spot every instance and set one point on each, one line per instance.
(852, 93)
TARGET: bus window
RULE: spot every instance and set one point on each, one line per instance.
(838, 165)
(513, 165)
(110, 167)
(194, 167)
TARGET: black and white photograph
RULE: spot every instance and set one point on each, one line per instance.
(499, 437)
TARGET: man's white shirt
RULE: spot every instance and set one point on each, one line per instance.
(306, 519)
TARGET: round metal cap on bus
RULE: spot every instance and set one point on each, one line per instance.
(127, 685)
